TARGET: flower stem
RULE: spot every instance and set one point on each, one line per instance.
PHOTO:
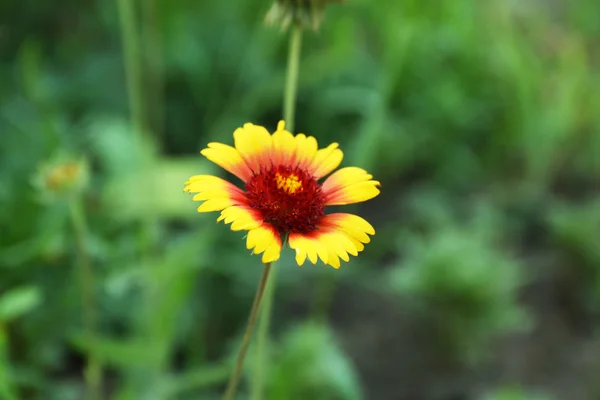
(260, 362)
(93, 371)
(239, 365)
(133, 69)
(291, 81)
(134, 73)
(289, 108)
(325, 290)
(154, 69)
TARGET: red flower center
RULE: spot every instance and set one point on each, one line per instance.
(288, 198)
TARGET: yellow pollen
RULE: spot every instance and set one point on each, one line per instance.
(290, 184)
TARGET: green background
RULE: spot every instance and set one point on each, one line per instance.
(481, 118)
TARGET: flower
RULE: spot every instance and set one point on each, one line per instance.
(62, 176)
(282, 196)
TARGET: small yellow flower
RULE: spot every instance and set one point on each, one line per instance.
(282, 196)
(61, 177)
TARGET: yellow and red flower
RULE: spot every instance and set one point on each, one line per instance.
(282, 196)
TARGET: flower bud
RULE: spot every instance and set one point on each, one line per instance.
(304, 13)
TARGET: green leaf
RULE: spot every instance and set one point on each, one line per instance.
(312, 365)
(19, 301)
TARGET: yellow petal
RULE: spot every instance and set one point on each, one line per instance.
(344, 177)
(241, 218)
(359, 246)
(337, 237)
(300, 257)
(265, 239)
(200, 182)
(333, 259)
(303, 247)
(321, 250)
(333, 241)
(356, 234)
(326, 160)
(337, 243)
(216, 193)
(311, 252)
(215, 204)
(284, 146)
(354, 193)
(229, 159)
(253, 142)
(354, 226)
(311, 246)
(306, 149)
(349, 185)
(341, 243)
(209, 194)
(272, 253)
(351, 220)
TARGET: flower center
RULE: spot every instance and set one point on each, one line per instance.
(290, 183)
(288, 198)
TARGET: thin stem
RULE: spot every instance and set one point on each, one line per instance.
(239, 365)
(154, 68)
(133, 70)
(289, 107)
(291, 81)
(93, 372)
(130, 39)
(323, 297)
(262, 342)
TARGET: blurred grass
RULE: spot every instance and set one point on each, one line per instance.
(456, 108)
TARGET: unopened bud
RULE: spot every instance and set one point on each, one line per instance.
(304, 13)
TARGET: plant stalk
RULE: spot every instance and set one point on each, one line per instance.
(134, 75)
(291, 80)
(239, 365)
(93, 370)
(323, 298)
(131, 58)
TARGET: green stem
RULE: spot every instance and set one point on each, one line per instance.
(239, 365)
(261, 356)
(93, 372)
(291, 81)
(262, 341)
(289, 108)
(130, 38)
(133, 70)
(153, 69)
(323, 297)
(7, 385)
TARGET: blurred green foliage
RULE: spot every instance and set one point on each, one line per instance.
(465, 284)
(310, 365)
(480, 118)
(514, 394)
